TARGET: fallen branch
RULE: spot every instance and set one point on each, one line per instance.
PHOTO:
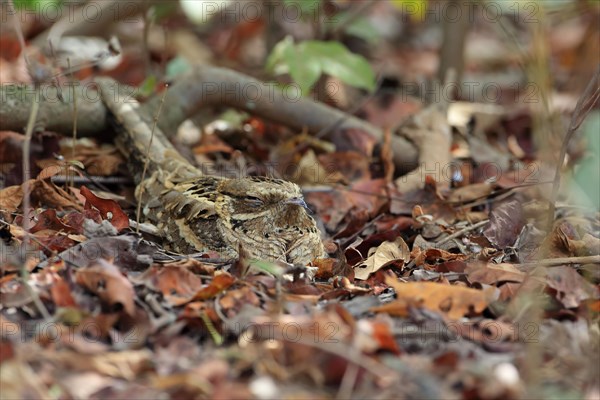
(203, 87)
(54, 115)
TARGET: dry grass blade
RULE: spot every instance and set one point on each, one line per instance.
(586, 102)
(154, 123)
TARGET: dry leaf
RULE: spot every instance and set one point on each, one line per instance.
(382, 255)
(430, 132)
(571, 287)
(491, 274)
(177, 284)
(107, 282)
(10, 198)
(454, 301)
(469, 193)
(50, 195)
(506, 223)
(109, 209)
(218, 284)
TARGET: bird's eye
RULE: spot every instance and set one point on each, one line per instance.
(254, 201)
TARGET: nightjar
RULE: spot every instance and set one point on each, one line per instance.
(267, 217)
(200, 213)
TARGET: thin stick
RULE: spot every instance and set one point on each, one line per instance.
(17, 26)
(35, 107)
(584, 105)
(462, 232)
(74, 110)
(23, 272)
(552, 262)
(348, 380)
(147, 161)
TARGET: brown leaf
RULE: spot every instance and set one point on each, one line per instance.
(428, 199)
(116, 217)
(75, 219)
(106, 281)
(506, 223)
(308, 170)
(210, 144)
(10, 198)
(11, 146)
(48, 220)
(454, 301)
(571, 288)
(234, 300)
(51, 170)
(469, 193)
(325, 268)
(374, 335)
(353, 140)
(53, 242)
(430, 132)
(353, 166)
(491, 274)
(433, 255)
(122, 249)
(381, 256)
(50, 195)
(369, 195)
(177, 284)
(218, 284)
(61, 293)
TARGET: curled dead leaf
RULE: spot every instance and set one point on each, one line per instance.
(451, 300)
(381, 256)
(108, 208)
(491, 274)
(106, 281)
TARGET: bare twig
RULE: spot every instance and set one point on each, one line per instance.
(550, 262)
(462, 232)
(584, 105)
(74, 111)
(147, 159)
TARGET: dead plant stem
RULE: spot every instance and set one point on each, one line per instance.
(584, 105)
(154, 123)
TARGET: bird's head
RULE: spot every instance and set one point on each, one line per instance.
(253, 197)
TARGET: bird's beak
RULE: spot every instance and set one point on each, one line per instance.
(298, 201)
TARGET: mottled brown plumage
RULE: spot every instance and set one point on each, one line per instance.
(199, 213)
(267, 217)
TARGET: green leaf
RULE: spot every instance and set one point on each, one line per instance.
(363, 29)
(164, 10)
(415, 9)
(587, 174)
(267, 266)
(78, 164)
(277, 61)
(336, 60)
(308, 8)
(286, 59)
(37, 5)
(177, 66)
(305, 71)
(148, 87)
(307, 61)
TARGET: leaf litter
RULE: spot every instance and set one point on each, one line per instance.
(438, 284)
